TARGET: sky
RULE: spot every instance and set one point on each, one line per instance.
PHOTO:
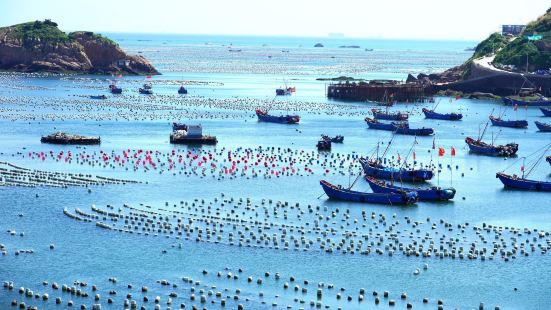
(403, 19)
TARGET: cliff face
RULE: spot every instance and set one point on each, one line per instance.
(42, 47)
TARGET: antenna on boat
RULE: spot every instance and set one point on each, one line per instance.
(483, 132)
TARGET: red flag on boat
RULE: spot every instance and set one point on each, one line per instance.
(399, 157)
(148, 76)
(120, 76)
(457, 97)
(522, 168)
(441, 151)
(414, 157)
(453, 151)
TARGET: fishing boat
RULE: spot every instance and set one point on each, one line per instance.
(146, 89)
(182, 90)
(340, 193)
(324, 145)
(179, 126)
(375, 124)
(114, 89)
(192, 135)
(514, 181)
(546, 112)
(396, 116)
(442, 116)
(543, 126)
(263, 116)
(375, 168)
(64, 138)
(497, 121)
(335, 139)
(102, 97)
(480, 147)
(533, 102)
(403, 128)
(434, 193)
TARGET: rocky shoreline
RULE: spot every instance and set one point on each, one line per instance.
(41, 47)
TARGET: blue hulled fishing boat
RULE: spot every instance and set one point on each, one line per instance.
(263, 116)
(98, 97)
(546, 112)
(403, 128)
(442, 116)
(497, 121)
(543, 126)
(146, 89)
(514, 181)
(340, 193)
(378, 170)
(480, 147)
(375, 124)
(540, 101)
(397, 116)
(425, 194)
(324, 145)
(114, 89)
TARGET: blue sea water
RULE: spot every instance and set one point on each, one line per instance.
(224, 89)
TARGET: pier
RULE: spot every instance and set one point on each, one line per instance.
(380, 91)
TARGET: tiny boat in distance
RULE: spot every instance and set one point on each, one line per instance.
(182, 90)
(263, 116)
(396, 116)
(324, 145)
(146, 89)
(64, 138)
(336, 139)
(340, 193)
(114, 89)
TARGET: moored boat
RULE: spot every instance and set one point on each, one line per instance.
(442, 116)
(375, 124)
(182, 90)
(324, 145)
(193, 134)
(425, 194)
(534, 102)
(546, 112)
(378, 170)
(114, 89)
(543, 126)
(98, 97)
(335, 139)
(480, 147)
(514, 181)
(496, 121)
(64, 138)
(340, 193)
(396, 116)
(404, 129)
(263, 116)
(146, 89)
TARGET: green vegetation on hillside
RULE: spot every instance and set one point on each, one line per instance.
(43, 31)
(521, 49)
(95, 36)
(491, 45)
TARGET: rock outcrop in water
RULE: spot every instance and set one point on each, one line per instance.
(41, 47)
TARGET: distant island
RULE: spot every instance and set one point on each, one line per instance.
(349, 46)
(318, 45)
(40, 46)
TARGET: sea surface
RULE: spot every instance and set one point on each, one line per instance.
(210, 189)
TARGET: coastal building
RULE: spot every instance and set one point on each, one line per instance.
(513, 30)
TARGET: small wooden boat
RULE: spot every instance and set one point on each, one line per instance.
(496, 121)
(546, 112)
(535, 102)
(263, 116)
(102, 97)
(375, 124)
(336, 139)
(114, 89)
(513, 181)
(543, 126)
(425, 194)
(324, 145)
(480, 147)
(182, 90)
(396, 116)
(376, 169)
(403, 129)
(64, 138)
(146, 89)
(442, 116)
(340, 193)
